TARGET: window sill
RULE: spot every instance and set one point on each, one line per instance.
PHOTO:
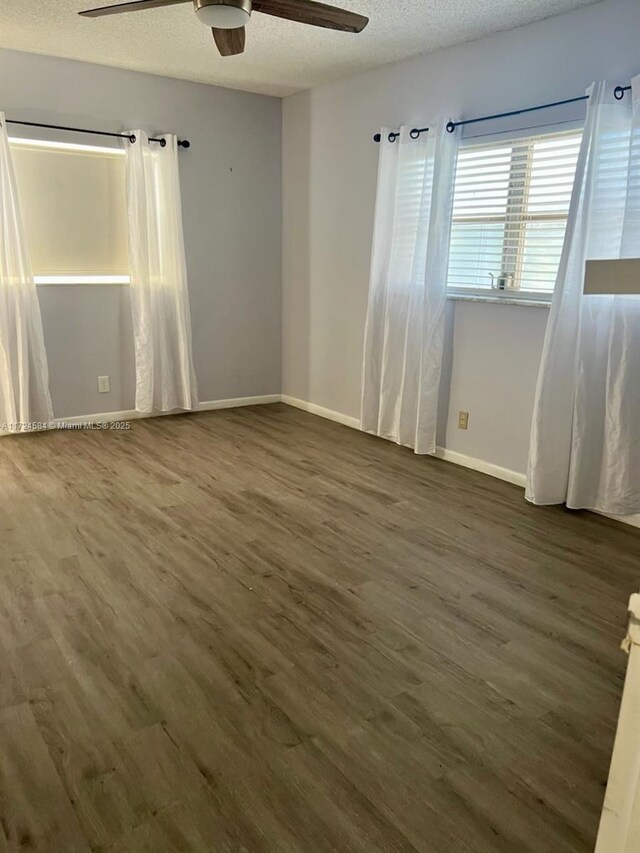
(500, 300)
(74, 280)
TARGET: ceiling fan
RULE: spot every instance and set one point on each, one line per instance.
(227, 18)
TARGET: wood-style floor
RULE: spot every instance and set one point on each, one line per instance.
(256, 630)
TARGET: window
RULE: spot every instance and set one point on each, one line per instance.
(511, 201)
(73, 202)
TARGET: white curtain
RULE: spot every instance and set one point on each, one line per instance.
(165, 377)
(585, 440)
(404, 339)
(24, 374)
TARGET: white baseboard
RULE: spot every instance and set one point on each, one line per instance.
(329, 414)
(514, 477)
(497, 471)
(129, 415)
(237, 402)
(206, 406)
(441, 452)
(632, 520)
(99, 418)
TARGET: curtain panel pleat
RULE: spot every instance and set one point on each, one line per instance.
(25, 402)
(165, 376)
(585, 441)
(405, 328)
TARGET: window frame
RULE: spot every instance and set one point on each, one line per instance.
(518, 191)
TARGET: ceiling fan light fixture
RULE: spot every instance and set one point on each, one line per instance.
(223, 14)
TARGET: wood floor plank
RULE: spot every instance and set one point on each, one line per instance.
(255, 631)
(35, 812)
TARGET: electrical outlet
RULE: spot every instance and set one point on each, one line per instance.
(104, 384)
(463, 420)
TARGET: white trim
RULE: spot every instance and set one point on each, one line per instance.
(238, 402)
(497, 471)
(489, 468)
(498, 300)
(99, 418)
(631, 520)
(130, 414)
(206, 406)
(441, 452)
(81, 279)
(69, 147)
(314, 409)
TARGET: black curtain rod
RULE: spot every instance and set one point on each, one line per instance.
(414, 134)
(183, 143)
(451, 126)
(618, 93)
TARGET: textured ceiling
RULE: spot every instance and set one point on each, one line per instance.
(281, 57)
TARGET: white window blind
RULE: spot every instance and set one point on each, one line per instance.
(511, 201)
(73, 202)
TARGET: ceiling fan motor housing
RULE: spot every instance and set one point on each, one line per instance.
(223, 14)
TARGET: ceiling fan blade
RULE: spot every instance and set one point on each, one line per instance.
(136, 6)
(229, 42)
(310, 12)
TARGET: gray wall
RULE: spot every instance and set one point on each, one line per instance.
(330, 168)
(231, 198)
